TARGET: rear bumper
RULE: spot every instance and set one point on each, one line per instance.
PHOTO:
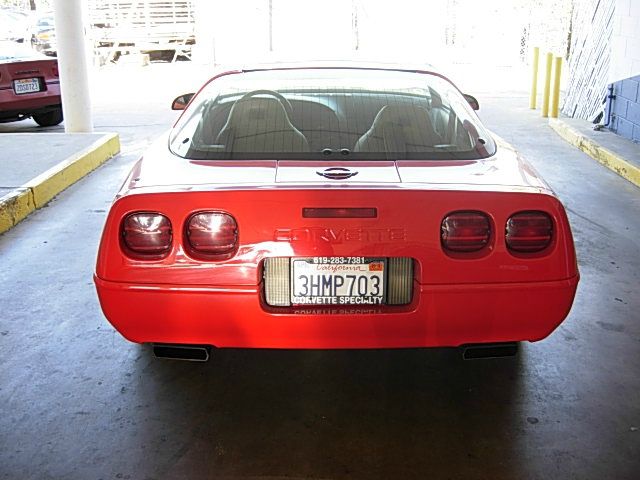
(13, 106)
(234, 316)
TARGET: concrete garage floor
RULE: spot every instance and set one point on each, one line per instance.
(79, 402)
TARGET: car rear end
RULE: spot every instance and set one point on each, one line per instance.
(28, 87)
(334, 217)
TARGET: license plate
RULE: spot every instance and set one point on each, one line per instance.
(338, 281)
(26, 85)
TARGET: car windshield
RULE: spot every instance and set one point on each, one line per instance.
(330, 114)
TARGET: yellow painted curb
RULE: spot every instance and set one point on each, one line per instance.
(48, 184)
(14, 207)
(605, 156)
(34, 194)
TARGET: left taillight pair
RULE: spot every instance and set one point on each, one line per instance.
(208, 235)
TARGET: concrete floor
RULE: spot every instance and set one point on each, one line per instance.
(77, 401)
(46, 150)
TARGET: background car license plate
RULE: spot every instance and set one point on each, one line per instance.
(338, 281)
(26, 85)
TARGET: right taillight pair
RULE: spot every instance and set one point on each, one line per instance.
(149, 235)
(525, 232)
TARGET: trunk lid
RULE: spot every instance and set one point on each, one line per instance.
(26, 69)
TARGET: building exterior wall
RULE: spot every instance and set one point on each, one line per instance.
(625, 108)
(589, 58)
(625, 41)
(624, 75)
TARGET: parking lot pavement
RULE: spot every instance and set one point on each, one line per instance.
(79, 401)
(37, 166)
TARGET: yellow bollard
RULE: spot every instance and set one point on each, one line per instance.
(547, 86)
(534, 82)
(556, 88)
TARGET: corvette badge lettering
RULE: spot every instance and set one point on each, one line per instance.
(339, 235)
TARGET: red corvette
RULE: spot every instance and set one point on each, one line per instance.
(29, 86)
(333, 208)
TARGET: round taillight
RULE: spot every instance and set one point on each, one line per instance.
(464, 232)
(212, 233)
(146, 235)
(529, 232)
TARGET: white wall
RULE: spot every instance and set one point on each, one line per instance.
(625, 43)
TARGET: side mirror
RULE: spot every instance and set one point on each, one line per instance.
(472, 101)
(181, 102)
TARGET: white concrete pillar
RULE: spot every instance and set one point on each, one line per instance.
(72, 64)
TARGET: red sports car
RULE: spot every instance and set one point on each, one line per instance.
(334, 207)
(29, 86)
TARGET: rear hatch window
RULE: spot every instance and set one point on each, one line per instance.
(330, 114)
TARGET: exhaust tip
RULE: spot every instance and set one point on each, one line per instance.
(190, 353)
(489, 350)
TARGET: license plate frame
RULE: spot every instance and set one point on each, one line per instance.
(337, 285)
(25, 86)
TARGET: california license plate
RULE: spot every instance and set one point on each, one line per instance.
(26, 85)
(338, 281)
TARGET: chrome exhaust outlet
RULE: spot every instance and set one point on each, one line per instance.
(489, 350)
(190, 353)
